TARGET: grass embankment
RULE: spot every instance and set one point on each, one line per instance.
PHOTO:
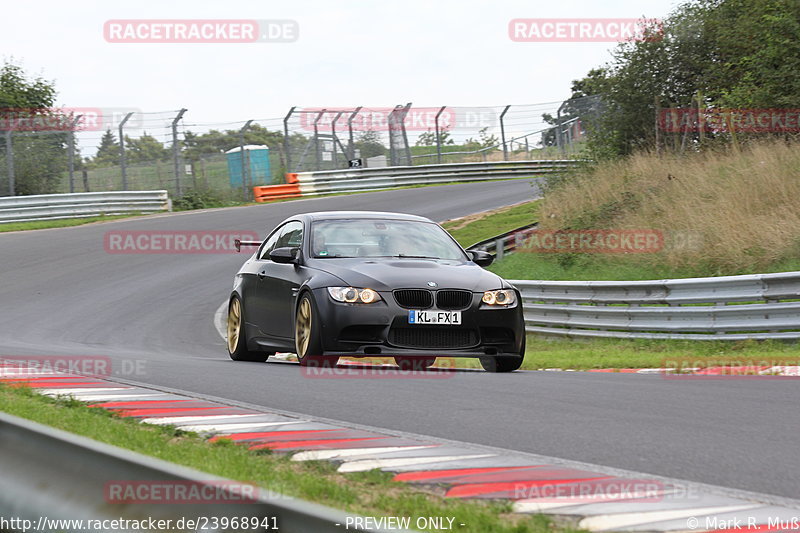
(720, 213)
(370, 493)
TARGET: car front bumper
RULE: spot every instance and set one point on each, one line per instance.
(383, 329)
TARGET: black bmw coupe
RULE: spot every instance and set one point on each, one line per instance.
(368, 284)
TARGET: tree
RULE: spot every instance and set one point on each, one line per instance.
(216, 142)
(486, 140)
(145, 148)
(369, 144)
(429, 138)
(730, 53)
(18, 92)
(108, 151)
(39, 151)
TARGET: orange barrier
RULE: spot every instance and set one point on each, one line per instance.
(291, 177)
(266, 193)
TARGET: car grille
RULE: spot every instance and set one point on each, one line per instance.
(450, 300)
(447, 337)
(413, 298)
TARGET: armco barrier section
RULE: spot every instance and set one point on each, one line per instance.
(50, 475)
(502, 244)
(758, 306)
(79, 205)
(266, 193)
(372, 179)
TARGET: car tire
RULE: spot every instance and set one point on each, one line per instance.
(306, 335)
(504, 364)
(236, 338)
(414, 363)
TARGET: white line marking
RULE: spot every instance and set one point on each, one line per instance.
(539, 505)
(72, 392)
(207, 418)
(233, 428)
(107, 397)
(318, 455)
(624, 520)
(370, 464)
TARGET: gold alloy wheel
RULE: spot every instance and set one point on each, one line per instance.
(302, 333)
(234, 324)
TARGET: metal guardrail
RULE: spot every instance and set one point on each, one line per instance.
(55, 475)
(503, 244)
(78, 205)
(372, 179)
(386, 177)
(757, 306)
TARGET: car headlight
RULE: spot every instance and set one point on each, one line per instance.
(505, 297)
(352, 295)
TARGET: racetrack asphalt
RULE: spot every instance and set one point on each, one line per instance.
(63, 294)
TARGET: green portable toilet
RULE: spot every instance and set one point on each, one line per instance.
(258, 156)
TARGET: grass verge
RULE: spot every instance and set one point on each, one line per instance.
(622, 353)
(480, 226)
(370, 493)
(65, 223)
(584, 354)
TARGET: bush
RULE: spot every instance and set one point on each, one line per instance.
(199, 199)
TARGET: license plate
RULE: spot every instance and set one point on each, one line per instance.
(446, 318)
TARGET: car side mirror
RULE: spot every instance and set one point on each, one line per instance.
(482, 259)
(284, 255)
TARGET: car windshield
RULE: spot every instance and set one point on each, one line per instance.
(382, 238)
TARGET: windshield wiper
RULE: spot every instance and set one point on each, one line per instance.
(415, 256)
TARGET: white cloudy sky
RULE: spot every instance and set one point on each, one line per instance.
(359, 52)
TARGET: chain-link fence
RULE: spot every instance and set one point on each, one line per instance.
(128, 149)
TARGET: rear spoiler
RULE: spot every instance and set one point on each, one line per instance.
(238, 243)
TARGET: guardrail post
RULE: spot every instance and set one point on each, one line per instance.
(499, 249)
(10, 164)
(71, 152)
(350, 130)
(176, 153)
(503, 133)
(122, 162)
(286, 144)
(438, 135)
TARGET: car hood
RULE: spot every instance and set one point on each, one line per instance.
(389, 274)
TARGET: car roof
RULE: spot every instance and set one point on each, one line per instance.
(332, 215)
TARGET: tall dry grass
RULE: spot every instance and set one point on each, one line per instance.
(720, 213)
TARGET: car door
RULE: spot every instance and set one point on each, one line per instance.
(277, 286)
(253, 306)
